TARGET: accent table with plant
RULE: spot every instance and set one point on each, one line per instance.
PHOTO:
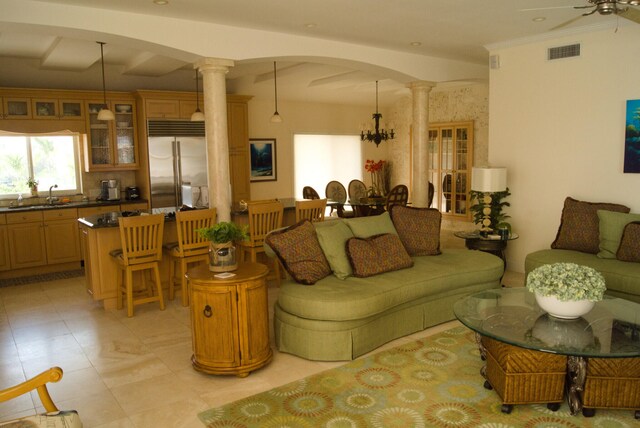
(566, 290)
(222, 251)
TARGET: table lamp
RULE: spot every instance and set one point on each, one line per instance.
(488, 180)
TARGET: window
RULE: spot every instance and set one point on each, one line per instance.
(48, 158)
(319, 159)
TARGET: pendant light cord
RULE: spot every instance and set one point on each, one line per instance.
(197, 95)
(104, 86)
(275, 84)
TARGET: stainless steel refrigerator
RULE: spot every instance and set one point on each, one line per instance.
(174, 162)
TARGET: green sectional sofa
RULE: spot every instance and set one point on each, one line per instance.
(341, 319)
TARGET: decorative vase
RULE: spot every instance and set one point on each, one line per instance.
(222, 257)
(569, 310)
(34, 190)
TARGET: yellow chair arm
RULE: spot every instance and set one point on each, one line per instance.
(38, 382)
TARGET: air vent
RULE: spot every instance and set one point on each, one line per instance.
(560, 52)
(175, 128)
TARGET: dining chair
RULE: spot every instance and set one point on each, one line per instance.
(312, 210)
(141, 240)
(191, 248)
(309, 192)
(430, 194)
(264, 216)
(399, 195)
(357, 191)
(336, 192)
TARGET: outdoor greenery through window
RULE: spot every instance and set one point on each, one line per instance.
(47, 158)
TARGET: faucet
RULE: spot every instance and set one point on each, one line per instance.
(51, 197)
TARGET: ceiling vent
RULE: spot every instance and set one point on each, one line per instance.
(560, 52)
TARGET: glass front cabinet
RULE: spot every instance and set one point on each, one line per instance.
(450, 161)
(111, 145)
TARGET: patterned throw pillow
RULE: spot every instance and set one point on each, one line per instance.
(298, 249)
(629, 250)
(579, 225)
(377, 254)
(418, 229)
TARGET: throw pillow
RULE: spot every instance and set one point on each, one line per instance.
(377, 254)
(298, 249)
(611, 227)
(333, 239)
(579, 226)
(364, 227)
(418, 229)
(629, 250)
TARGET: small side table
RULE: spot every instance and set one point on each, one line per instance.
(474, 241)
(229, 320)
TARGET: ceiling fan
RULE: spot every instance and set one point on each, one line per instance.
(623, 8)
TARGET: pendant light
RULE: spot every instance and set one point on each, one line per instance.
(104, 113)
(276, 118)
(197, 115)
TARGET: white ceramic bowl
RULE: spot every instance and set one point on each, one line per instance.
(123, 108)
(122, 124)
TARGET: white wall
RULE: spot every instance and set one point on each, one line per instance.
(558, 126)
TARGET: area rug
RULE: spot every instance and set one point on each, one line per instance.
(41, 278)
(434, 382)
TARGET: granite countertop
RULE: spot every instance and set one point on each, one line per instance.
(73, 204)
(99, 221)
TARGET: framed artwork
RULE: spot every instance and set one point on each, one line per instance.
(632, 137)
(263, 159)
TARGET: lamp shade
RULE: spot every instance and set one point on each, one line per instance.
(106, 114)
(489, 179)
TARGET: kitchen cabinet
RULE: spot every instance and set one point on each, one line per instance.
(27, 247)
(50, 108)
(239, 157)
(450, 163)
(229, 320)
(111, 145)
(5, 263)
(170, 108)
(16, 108)
(62, 238)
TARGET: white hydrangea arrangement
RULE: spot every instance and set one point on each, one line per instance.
(567, 282)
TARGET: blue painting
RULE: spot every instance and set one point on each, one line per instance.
(263, 159)
(632, 137)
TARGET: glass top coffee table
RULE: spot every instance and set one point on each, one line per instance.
(512, 316)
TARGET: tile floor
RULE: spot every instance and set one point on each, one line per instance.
(124, 372)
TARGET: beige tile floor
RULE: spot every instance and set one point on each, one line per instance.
(125, 372)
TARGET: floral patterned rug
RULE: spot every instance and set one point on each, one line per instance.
(434, 382)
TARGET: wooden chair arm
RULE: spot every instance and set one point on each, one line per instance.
(38, 382)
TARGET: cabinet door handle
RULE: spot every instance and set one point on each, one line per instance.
(207, 311)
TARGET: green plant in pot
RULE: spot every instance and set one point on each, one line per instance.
(33, 185)
(222, 251)
(566, 290)
(496, 206)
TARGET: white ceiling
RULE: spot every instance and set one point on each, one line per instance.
(453, 29)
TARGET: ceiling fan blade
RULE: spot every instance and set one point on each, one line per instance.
(631, 14)
(565, 23)
(548, 8)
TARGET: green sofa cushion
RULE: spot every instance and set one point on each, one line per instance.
(332, 299)
(364, 227)
(622, 278)
(333, 236)
(611, 227)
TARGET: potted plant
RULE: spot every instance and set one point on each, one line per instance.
(566, 290)
(222, 251)
(496, 216)
(33, 185)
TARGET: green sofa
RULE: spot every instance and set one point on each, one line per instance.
(622, 278)
(341, 319)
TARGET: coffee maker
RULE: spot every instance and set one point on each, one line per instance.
(110, 190)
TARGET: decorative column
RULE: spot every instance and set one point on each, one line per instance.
(214, 93)
(420, 149)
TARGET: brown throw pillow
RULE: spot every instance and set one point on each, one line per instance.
(418, 229)
(629, 250)
(377, 254)
(579, 226)
(298, 249)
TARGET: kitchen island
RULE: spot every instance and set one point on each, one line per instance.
(100, 234)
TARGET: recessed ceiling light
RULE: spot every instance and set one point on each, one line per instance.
(415, 44)
(161, 2)
(539, 19)
(310, 25)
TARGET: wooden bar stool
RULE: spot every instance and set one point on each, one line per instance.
(141, 238)
(191, 247)
(312, 210)
(264, 216)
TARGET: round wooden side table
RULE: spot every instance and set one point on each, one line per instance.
(473, 241)
(229, 320)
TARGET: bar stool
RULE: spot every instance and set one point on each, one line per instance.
(141, 239)
(190, 248)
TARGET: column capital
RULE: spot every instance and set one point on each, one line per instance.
(421, 84)
(214, 64)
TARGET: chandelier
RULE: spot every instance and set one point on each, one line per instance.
(378, 135)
